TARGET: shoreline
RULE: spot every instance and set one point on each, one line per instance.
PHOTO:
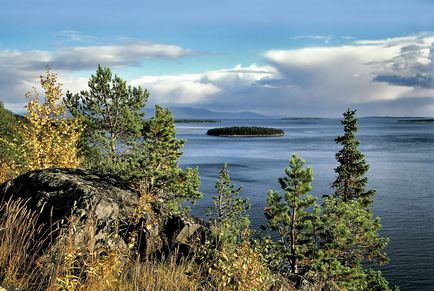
(250, 135)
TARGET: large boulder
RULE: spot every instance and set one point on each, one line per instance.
(99, 202)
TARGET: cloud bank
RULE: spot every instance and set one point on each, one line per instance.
(380, 77)
(19, 70)
(392, 76)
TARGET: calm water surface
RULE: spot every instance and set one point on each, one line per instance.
(401, 156)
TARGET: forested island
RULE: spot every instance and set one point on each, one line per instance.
(417, 120)
(245, 131)
(87, 203)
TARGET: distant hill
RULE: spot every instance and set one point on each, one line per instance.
(201, 113)
(303, 118)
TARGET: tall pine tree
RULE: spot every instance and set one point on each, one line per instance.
(351, 172)
(294, 215)
(113, 113)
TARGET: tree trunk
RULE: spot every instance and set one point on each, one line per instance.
(113, 148)
(292, 237)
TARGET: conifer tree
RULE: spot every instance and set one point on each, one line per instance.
(233, 259)
(114, 119)
(349, 236)
(349, 240)
(46, 137)
(294, 214)
(229, 214)
(157, 166)
(351, 172)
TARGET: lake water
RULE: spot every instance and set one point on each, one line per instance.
(401, 156)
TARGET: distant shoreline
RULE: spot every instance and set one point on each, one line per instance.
(302, 118)
(421, 120)
(197, 121)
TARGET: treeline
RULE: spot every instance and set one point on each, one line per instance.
(245, 131)
(330, 245)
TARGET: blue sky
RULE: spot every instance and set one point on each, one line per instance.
(292, 58)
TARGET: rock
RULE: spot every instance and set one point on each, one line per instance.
(100, 205)
(9, 289)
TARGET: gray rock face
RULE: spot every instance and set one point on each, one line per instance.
(99, 202)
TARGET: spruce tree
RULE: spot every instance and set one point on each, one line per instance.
(294, 215)
(351, 177)
(113, 113)
(349, 238)
(349, 242)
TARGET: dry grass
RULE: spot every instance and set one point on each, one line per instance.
(68, 265)
(19, 244)
(166, 274)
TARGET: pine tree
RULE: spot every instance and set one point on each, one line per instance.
(229, 215)
(294, 214)
(157, 168)
(351, 172)
(114, 119)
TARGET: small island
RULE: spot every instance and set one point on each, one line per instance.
(245, 131)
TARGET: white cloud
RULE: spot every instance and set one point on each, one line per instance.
(203, 88)
(115, 55)
(322, 38)
(19, 70)
(360, 72)
(385, 77)
(336, 73)
(76, 36)
(180, 89)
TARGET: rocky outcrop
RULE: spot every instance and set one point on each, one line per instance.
(101, 203)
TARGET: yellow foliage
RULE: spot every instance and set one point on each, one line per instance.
(144, 207)
(71, 264)
(241, 267)
(81, 270)
(7, 171)
(82, 264)
(48, 138)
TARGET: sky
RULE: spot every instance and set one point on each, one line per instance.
(275, 57)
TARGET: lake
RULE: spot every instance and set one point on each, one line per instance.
(401, 156)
